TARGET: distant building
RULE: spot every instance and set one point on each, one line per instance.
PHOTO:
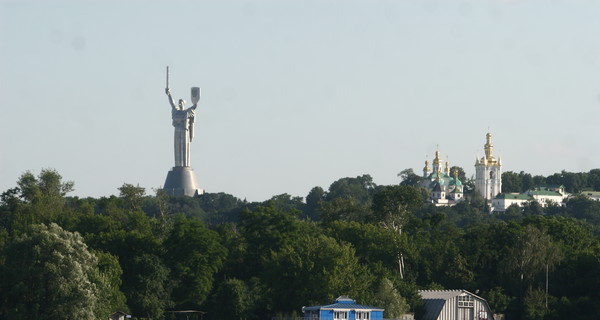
(544, 195)
(454, 305)
(505, 200)
(446, 189)
(118, 315)
(343, 308)
(488, 172)
(548, 194)
(592, 195)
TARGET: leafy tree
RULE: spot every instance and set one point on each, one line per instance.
(359, 188)
(573, 182)
(234, 299)
(511, 182)
(532, 251)
(266, 229)
(133, 195)
(49, 273)
(581, 207)
(513, 213)
(40, 199)
(462, 176)
(409, 178)
(594, 179)
(497, 299)
(373, 244)
(146, 286)
(388, 298)
(145, 276)
(109, 267)
(287, 203)
(194, 255)
(485, 247)
(343, 209)
(313, 203)
(531, 208)
(392, 207)
(220, 207)
(314, 269)
(534, 305)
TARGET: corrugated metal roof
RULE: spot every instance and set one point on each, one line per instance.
(441, 304)
(444, 294)
(337, 306)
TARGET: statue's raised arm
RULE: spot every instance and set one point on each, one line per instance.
(168, 92)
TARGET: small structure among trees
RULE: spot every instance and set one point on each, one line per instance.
(343, 308)
(454, 304)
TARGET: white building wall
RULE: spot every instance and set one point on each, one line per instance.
(488, 181)
(451, 310)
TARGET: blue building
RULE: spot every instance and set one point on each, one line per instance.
(343, 308)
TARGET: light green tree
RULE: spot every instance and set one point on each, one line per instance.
(388, 298)
(49, 273)
(38, 199)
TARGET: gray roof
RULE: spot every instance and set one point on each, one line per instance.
(435, 300)
(444, 294)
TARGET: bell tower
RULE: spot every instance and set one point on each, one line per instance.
(488, 172)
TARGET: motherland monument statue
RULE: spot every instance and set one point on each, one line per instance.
(181, 179)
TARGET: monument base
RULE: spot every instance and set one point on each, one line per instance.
(181, 181)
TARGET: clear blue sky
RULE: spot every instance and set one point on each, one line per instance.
(296, 94)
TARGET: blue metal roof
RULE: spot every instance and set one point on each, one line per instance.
(342, 303)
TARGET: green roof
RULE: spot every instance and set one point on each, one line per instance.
(455, 182)
(514, 196)
(544, 193)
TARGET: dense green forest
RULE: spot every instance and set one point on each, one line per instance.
(68, 257)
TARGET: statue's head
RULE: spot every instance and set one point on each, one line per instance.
(181, 104)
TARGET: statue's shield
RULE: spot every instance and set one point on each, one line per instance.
(195, 95)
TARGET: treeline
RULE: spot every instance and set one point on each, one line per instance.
(67, 257)
(574, 182)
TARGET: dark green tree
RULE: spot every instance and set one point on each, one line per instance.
(234, 300)
(146, 286)
(359, 188)
(409, 178)
(314, 269)
(194, 255)
(266, 229)
(313, 203)
(392, 208)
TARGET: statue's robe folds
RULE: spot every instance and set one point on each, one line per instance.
(183, 122)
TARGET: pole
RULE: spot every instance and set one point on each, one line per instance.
(546, 285)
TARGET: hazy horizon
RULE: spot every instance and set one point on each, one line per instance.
(295, 94)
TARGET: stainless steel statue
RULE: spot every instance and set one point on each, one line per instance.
(181, 179)
(183, 121)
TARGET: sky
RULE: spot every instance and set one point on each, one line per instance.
(295, 94)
